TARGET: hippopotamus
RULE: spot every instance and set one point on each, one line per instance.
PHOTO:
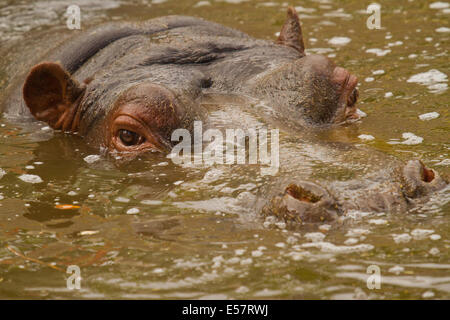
(126, 87)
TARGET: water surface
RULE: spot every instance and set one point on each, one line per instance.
(151, 229)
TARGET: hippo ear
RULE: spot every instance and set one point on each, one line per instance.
(51, 95)
(291, 32)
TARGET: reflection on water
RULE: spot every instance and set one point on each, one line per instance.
(151, 229)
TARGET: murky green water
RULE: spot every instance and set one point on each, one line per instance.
(189, 237)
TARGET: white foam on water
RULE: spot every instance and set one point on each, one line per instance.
(202, 4)
(91, 158)
(356, 214)
(396, 270)
(443, 30)
(247, 261)
(419, 234)
(339, 41)
(439, 5)
(388, 94)
(305, 10)
(351, 241)
(122, 199)
(367, 137)
(257, 253)
(378, 221)
(133, 211)
(429, 116)
(152, 202)
(280, 245)
(2, 173)
(315, 236)
(378, 52)
(401, 238)
(409, 139)
(369, 79)
(445, 162)
(357, 232)
(394, 44)
(30, 178)
(88, 232)
(435, 237)
(434, 79)
(361, 113)
(332, 248)
(434, 251)
(378, 72)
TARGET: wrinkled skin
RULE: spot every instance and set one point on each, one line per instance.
(126, 88)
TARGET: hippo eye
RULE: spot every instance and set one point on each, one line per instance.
(130, 138)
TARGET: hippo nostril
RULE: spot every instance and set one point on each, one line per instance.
(427, 175)
(418, 180)
(301, 194)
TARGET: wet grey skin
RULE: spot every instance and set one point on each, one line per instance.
(166, 65)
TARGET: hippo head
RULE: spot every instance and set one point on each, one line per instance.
(132, 100)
